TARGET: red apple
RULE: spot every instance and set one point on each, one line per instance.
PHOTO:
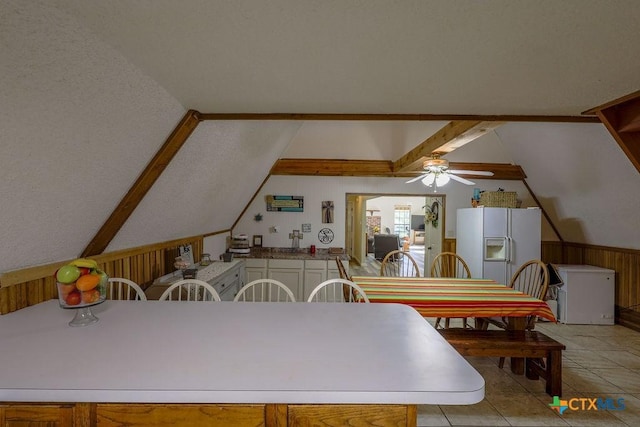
(73, 298)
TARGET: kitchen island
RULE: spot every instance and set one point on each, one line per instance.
(208, 363)
(226, 278)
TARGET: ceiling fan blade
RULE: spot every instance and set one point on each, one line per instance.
(466, 172)
(417, 178)
(460, 179)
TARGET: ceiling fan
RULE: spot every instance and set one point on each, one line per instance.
(438, 173)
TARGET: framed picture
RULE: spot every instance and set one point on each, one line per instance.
(257, 240)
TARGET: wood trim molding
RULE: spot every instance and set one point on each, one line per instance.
(621, 117)
(397, 117)
(246, 207)
(383, 168)
(145, 181)
(544, 212)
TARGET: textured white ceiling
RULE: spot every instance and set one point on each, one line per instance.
(377, 56)
(87, 101)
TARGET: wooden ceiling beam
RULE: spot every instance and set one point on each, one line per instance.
(333, 167)
(621, 117)
(145, 181)
(383, 168)
(413, 159)
(397, 117)
(452, 136)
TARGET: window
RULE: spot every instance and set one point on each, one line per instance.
(402, 220)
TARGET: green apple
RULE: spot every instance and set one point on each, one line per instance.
(68, 274)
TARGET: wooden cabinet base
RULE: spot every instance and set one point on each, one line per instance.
(215, 415)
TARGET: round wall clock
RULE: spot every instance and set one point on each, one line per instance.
(325, 235)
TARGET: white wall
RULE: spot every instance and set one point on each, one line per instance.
(79, 123)
(317, 189)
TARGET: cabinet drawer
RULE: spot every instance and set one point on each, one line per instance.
(314, 264)
(286, 263)
(256, 263)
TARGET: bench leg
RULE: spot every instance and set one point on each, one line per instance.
(554, 373)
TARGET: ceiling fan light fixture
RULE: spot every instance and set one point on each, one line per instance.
(435, 164)
(429, 179)
(442, 179)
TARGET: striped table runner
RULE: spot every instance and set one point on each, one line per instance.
(443, 297)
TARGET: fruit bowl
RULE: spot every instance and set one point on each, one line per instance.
(81, 284)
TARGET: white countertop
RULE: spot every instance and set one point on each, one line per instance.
(168, 351)
(206, 273)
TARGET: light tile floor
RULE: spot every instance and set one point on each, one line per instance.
(600, 362)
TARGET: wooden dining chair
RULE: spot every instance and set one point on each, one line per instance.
(265, 290)
(346, 289)
(341, 270)
(399, 264)
(532, 278)
(190, 290)
(332, 290)
(119, 288)
(450, 264)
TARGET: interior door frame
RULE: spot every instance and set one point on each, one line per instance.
(355, 220)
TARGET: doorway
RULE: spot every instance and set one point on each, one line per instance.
(369, 214)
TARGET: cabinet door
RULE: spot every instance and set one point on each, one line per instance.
(313, 278)
(256, 274)
(37, 415)
(291, 277)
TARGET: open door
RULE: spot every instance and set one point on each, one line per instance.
(433, 229)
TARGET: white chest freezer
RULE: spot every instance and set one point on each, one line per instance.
(587, 296)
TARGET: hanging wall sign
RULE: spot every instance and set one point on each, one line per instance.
(327, 212)
(285, 203)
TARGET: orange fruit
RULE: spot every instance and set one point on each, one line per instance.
(87, 282)
(90, 296)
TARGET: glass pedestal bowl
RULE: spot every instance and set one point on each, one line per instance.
(70, 297)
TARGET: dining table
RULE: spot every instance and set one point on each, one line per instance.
(455, 298)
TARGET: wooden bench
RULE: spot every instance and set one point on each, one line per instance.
(543, 354)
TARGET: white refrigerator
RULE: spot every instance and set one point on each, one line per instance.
(495, 242)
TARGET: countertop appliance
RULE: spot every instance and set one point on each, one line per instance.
(587, 296)
(240, 244)
(495, 242)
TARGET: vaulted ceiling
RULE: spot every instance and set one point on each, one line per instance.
(495, 57)
(306, 80)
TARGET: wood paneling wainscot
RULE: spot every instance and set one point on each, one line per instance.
(30, 286)
(22, 288)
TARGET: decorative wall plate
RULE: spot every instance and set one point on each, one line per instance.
(325, 235)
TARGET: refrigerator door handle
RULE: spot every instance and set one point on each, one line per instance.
(509, 248)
